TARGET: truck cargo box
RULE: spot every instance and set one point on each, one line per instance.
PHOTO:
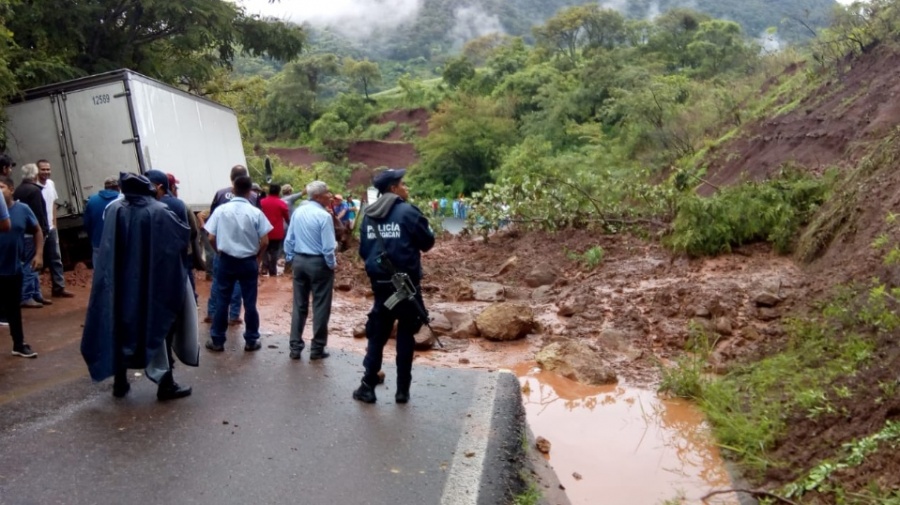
(95, 127)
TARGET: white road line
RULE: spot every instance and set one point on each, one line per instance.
(464, 476)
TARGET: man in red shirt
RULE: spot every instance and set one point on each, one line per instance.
(278, 215)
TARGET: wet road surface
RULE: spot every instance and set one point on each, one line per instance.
(259, 428)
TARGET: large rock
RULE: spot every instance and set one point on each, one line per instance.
(424, 339)
(505, 321)
(440, 324)
(575, 360)
(541, 275)
(571, 306)
(462, 324)
(488, 291)
(766, 299)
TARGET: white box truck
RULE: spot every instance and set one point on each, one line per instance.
(95, 127)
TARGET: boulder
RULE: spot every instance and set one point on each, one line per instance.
(542, 294)
(766, 299)
(575, 360)
(505, 321)
(460, 291)
(462, 324)
(767, 314)
(343, 286)
(424, 340)
(724, 326)
(359, 331)
(440, 324)
(541, 275)
(488, 291)
(571, 306)
(542, 445)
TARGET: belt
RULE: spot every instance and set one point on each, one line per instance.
(311, 255)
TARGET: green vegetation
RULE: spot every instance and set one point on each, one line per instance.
(590, 258)
(530, 496)
(771, 211)
(750, 406)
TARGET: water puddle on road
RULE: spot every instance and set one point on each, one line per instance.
(615, 445)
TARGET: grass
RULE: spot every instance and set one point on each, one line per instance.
(590, 258)
(749, 407)
(530, 496)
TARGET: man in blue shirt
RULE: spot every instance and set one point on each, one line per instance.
(310, 248)
(93, 212)
(239, 232)
(12, 248)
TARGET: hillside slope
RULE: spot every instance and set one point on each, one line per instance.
(845, 121)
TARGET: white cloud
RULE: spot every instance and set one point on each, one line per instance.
(473, 22)
(351, 17)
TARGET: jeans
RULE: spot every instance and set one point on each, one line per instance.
(311, 276)
(231, 271)
(234, 309)
(53, 260)
(31, 281)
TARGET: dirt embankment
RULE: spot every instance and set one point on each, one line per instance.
(396, 150)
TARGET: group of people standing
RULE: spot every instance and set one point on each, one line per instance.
(458, 207)
(142, 310)
(31, 241)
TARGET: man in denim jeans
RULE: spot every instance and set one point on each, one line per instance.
(239, 232)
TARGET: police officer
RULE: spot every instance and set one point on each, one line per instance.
(404, 235)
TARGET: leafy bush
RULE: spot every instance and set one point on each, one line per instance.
(378, 131)
(771, 211)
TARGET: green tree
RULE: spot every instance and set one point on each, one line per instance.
(457, 70)
(718, 46)
(364, 74)
(177, 41)
(467, 137)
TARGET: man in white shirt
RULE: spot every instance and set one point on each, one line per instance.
(52, 256)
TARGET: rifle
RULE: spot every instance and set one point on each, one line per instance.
(403, 287)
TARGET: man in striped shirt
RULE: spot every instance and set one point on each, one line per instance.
(310, 247)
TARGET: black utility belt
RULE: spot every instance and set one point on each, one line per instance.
(235, 257)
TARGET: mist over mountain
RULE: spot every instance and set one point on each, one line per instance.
(407, 29)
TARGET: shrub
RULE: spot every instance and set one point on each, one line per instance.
(771, 211)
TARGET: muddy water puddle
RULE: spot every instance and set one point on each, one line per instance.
(617, 445)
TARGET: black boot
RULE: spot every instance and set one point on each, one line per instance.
(170, 390)
(121, 387)
(402, 394)
(365, 393)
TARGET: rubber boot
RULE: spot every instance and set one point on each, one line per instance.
(170, 390)
(402, 394)
(365, 393)
(121, 387)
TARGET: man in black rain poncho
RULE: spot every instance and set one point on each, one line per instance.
(404, 235)
(141, 307)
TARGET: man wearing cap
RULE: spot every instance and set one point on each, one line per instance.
(239, 232)
(310, 246)
(140, 312)
(195, 248)
(52, 255)
(164, 194)
(397, 232)
(93, 212)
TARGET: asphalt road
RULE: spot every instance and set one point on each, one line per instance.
(259, 428)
